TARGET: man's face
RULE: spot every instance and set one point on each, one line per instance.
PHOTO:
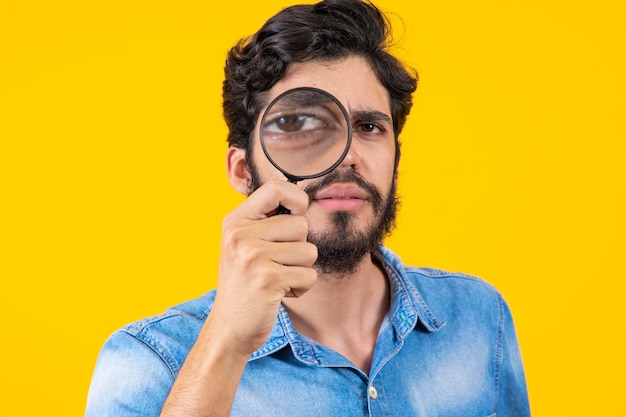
(354, 207)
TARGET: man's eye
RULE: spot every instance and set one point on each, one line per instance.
(294, 123)
(370, 128)
(290, 123)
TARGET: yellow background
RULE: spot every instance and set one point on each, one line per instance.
(113, 184)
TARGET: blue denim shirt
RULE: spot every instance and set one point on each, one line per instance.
(446, 348)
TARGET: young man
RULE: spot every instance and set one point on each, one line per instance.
(312, 316)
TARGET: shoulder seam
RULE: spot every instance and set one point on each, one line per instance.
(139, 331)
(499, 355)
(441, 274)
(151, 349)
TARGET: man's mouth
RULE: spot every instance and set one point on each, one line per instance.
(341, 197)
(343, 190)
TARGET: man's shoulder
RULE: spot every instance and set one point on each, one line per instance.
(433, 275)
(442, 290)
(445, 288)
(444, 277)
(176, 329)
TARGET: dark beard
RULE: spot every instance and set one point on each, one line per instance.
(343, 246)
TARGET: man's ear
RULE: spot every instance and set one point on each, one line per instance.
(237, 170)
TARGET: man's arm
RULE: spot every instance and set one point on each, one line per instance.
(208, 380)
(263, 259)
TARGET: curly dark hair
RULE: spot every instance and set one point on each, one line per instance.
(328, 30)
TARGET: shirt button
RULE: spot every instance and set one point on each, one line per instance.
(373, 393)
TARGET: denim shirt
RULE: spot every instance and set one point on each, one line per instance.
(447, 347)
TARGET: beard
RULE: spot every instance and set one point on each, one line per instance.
(343, 245)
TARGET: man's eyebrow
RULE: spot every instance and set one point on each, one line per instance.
(371, 116)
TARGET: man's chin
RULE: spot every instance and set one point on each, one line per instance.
(343, 246)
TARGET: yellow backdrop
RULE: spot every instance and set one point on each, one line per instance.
(113, 183)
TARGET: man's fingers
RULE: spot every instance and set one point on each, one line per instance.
(300, 254)
(252, 239)
(297, 280)
(294, 254)
(270, 196)
(291, 228)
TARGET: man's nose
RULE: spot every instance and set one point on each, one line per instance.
(353, 157)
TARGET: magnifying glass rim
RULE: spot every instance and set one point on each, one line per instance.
(295, 178)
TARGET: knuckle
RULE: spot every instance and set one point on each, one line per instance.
(300, 225)
(273, 189)
(267, 277)
(232, 236)
(238, 241)
(264, 275)
(312, 254)
(309, 276)
(253, 252)
(227, 221)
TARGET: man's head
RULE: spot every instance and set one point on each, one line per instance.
(339, 46)
(326, 31)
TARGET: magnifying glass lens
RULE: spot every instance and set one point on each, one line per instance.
(305, 132)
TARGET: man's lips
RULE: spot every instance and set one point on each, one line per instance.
(341, 197)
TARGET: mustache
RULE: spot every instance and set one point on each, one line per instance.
(347, 176)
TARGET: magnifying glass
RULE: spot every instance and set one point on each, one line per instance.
(305, 133)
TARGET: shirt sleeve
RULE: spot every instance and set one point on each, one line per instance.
(512, 397)
(130, 379)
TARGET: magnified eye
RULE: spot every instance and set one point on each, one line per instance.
(305, 132)
(291, 123)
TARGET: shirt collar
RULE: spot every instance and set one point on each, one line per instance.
(406, 309)
(407, 304)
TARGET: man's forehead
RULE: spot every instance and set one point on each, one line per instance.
(351, 80)
(331, 74)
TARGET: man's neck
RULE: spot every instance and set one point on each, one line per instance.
(344, 312)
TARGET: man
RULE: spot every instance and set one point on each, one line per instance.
(312, 316)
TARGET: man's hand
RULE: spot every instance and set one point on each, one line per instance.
(264, 258)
